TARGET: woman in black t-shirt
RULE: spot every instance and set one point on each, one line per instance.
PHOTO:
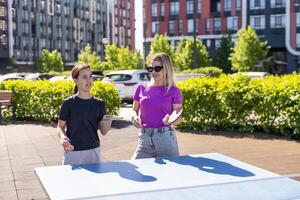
(81, 116)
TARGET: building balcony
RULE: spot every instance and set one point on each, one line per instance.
(217, 31)
(277, 11)
(227, 13)
(215, 14)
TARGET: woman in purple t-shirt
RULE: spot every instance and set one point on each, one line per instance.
(153, 104)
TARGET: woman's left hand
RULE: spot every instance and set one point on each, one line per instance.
(165, 120)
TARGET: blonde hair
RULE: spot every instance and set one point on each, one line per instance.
(166, 62)
(75, 73)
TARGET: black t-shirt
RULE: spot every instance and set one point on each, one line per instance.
(82, 117)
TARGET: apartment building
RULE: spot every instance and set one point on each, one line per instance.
(29, 26)
(277, 21)
(121, 23)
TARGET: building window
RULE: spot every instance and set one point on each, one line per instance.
(180, 26)
(298, 19)
(155, 27)
(257, 21)
(238, 4)
(190, 7)
(278, 3)
(278, 21)
(93, 11)
(77, 30)
(232, 23)
(227, 5)
(2, 25)
(298, 40)
(257, 4)
(2, 11)
(171, 27)
(217, 24)
(217, 44)
(162, 9)
(190, 26)
(174, 8)
(3, 39)
(208, 43)
(207, 24)
(51, 7)
(154, 10)
(199, 6)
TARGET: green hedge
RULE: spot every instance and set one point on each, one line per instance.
(238, 103)
(41, 100)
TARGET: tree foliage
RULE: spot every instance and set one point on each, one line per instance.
(248, 50)
(185, 54)
(160, 44)
(121, 58)
(87, 56)
(50, 61)
(221, 58)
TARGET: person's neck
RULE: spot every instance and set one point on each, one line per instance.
(156, 83)
(83, 95)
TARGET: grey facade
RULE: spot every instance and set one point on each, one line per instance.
(65, 25)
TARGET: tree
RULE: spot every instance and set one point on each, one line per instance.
(50, 61)
(86, 56)
(221, 58)
(184, 55)
(248, 50)
(160, 44)
(111, 57)
(121, 58)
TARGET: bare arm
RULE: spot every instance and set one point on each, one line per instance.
(105, 125)
(65, 141)
(135, 118)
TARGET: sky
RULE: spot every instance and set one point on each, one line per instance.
(139, 25)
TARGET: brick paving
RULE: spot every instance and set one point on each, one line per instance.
(26, 146)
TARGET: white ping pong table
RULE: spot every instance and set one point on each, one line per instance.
(203, 176)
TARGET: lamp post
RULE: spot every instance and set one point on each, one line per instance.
(195, 34)
(104, 43)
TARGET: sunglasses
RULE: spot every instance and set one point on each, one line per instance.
(156, 68)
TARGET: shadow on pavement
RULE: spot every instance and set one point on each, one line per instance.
(119, 124)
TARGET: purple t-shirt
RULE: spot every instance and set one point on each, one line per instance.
(155, 103)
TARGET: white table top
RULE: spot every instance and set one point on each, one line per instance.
(203, 176)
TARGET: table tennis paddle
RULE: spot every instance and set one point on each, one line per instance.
(175, 115)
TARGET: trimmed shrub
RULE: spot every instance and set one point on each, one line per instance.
(229, 103)
(41, 100)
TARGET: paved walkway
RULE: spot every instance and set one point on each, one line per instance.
(26, 146)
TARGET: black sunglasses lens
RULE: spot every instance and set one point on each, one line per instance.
(158, 68)
(149, 69)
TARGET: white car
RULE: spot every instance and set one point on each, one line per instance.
(252, 75)
(126, 81)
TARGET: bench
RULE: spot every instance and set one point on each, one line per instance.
(5, 101)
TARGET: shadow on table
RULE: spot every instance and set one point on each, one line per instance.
(124, 169)
(207, 165)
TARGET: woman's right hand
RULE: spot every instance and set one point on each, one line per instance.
(136, 121)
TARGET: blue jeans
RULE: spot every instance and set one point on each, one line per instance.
(156, 142)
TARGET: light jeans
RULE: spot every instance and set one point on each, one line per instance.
(156, 142)
(81, 157)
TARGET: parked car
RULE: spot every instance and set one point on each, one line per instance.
(181, 77)
(97, 77)
(58, 78)
(38, 76)
(126, 81)
(12, 76)
(252, 75)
